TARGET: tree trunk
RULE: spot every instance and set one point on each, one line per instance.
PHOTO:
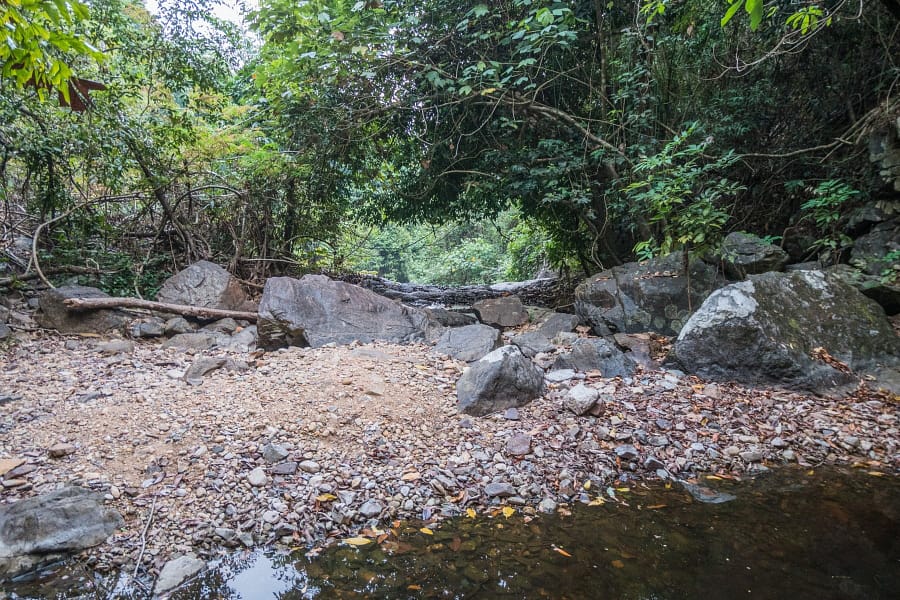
(550, 292)
(179, 309)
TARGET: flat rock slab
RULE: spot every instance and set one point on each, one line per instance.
(596, 354)
(501, 312)
(177, 571)
(39, 530)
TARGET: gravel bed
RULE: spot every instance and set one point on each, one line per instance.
(300, 446)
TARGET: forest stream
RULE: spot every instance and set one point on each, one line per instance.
(792, 533)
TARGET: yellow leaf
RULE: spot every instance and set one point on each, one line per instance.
(587, 484)
(714, 477)
(508, 511)
(470, 512)
(618, 564)
(414, 587)
(597, 502)
(426, 531)
(623, 489)
(875, 473)
(357, 541)
(561, 551)
(326, 497)
(811, 472)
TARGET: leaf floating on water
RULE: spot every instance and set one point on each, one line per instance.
(623, 489)
(811, 472)
(598, 501)
(426, 531)
(561, 551)
(875, 473)
(470, 512)
(508, 511)
(656, 506)
(358, 541)
(618, 564)
(587, 484)
(714, 477)
(326, 497)
(456, 544)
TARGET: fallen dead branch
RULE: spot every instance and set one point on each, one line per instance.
(179, 309)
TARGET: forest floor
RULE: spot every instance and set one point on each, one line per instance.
(310, 445)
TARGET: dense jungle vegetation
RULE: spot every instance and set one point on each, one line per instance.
(443, 141)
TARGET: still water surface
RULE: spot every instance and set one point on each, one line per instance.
(793, 534)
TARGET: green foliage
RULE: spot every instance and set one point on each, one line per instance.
(830, 199)
(891, 274)
(40, 39)
(681, 194)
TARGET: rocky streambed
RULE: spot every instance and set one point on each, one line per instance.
(301, 446)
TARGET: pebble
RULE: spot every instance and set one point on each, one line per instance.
(547, 505)
(519, 444)
(285, 468)
(60, 450)
(751, 456)
(310, 466)
(371, 509)
(501, 490)
(626, 452)
(273, 453)
(511, 413)
(778, 443)
(257, 477)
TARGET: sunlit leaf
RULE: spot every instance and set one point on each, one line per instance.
(357, 541)
(470, 512)
(508, 511)
(426, 531)
(326, 497)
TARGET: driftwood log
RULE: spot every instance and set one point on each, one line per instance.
(179, 309)
(554, 292)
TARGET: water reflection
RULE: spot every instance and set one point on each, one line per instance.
(791, 534)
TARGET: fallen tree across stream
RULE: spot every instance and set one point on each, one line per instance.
(551, 292)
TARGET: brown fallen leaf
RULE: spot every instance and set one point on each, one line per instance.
(618, 564)
(561, 551)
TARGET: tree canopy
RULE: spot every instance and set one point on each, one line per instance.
(595, 132)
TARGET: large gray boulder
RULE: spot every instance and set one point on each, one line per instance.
(766, 330)
(43, 529)
(203, 284)
(503, 379)
(54, 314)
(655, 295)
(745, 254)
(468, 343)
(507, 311)
(596, 354)
(314, 311)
